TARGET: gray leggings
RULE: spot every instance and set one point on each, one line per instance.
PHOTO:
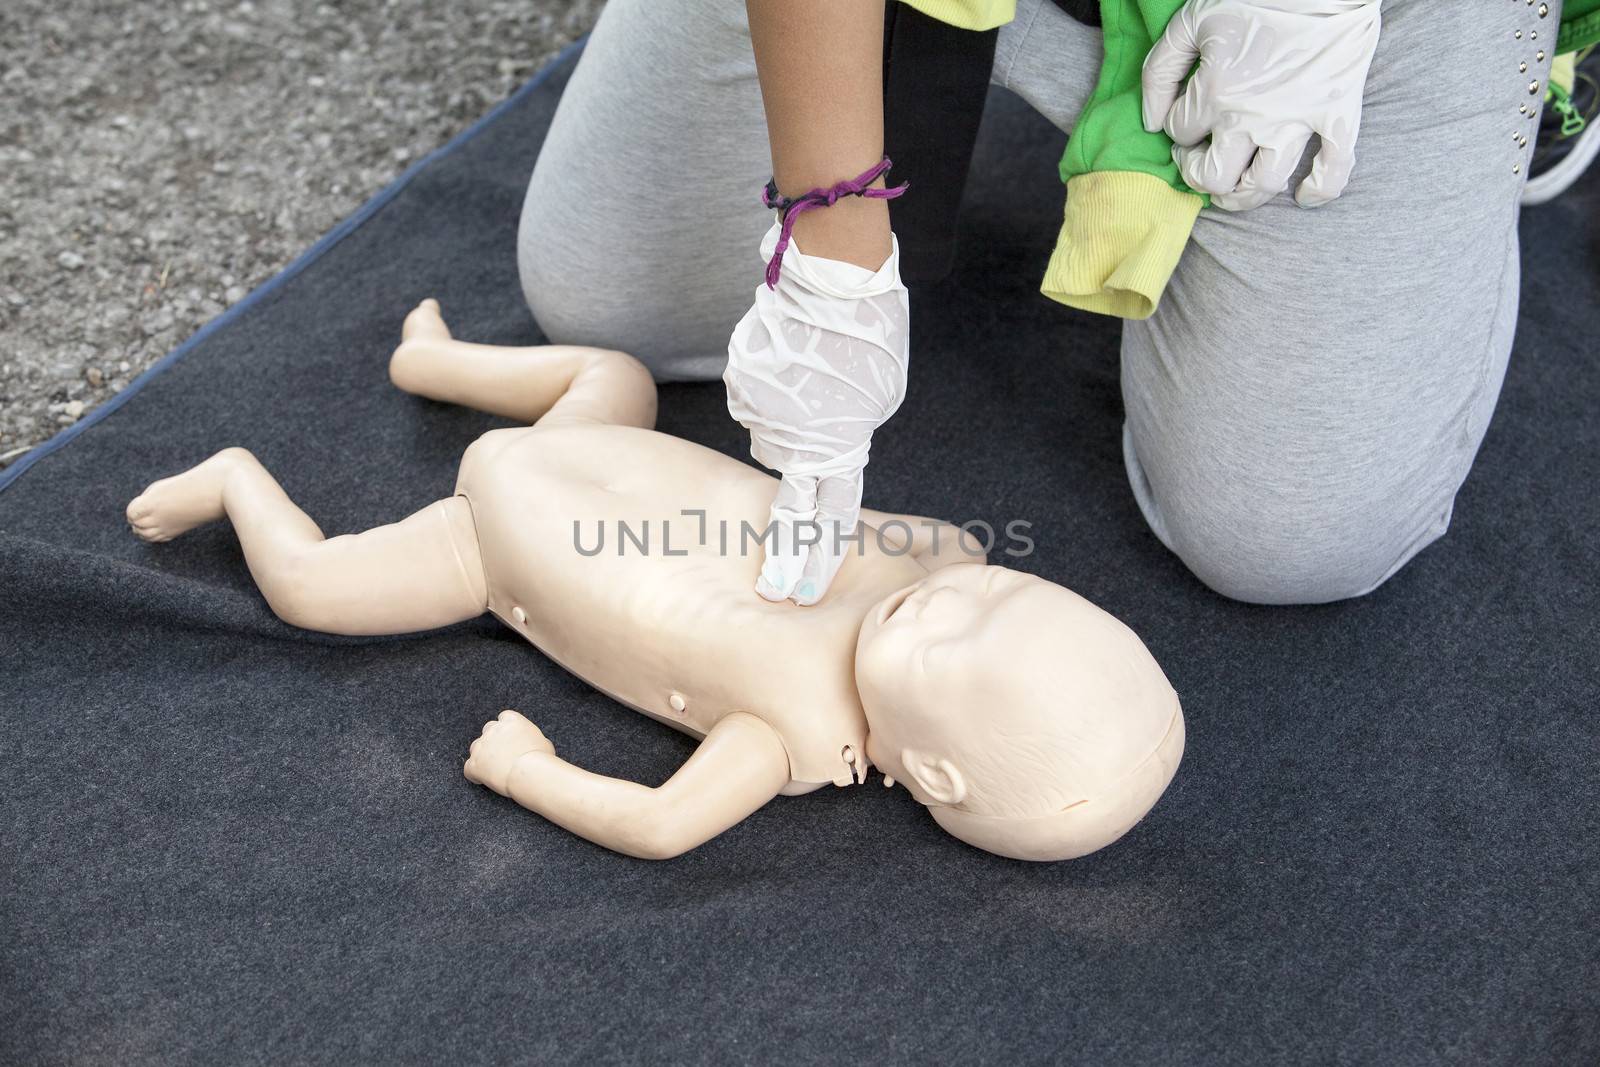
(1310, 395)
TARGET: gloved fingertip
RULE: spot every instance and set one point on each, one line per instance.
(774, 584)
(1310, 198)
(1237, 201)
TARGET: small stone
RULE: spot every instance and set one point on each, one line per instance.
(70, 261)
(95, 376)
(161, 320)
(234, 294)
(72, 409)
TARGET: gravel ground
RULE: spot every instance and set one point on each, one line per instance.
(160, 160)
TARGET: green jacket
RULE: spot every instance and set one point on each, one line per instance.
(1128, 214)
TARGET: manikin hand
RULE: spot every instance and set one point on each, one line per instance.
(1271, 73)
(816, 365)
(504, 740)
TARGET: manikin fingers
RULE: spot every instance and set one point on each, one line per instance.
(1268, 175)
(1217, 167)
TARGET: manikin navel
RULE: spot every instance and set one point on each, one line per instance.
(1031, 723)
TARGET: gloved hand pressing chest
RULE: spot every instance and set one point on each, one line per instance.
(1271, 73)
(817, 364)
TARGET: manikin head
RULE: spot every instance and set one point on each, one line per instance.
(1031, 723)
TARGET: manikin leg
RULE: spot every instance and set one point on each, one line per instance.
(424, 571)
(416, 574)
(549, 384)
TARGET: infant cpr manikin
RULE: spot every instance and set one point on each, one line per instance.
(1031, 723)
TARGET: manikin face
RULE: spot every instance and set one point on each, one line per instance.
(929, 654)
(1000, 693)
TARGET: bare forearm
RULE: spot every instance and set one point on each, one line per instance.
(820, 64)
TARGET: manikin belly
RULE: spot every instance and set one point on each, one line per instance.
(589, 553)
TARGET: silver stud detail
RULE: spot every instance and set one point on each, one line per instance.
(1533, 87)
(1516, 168)
(1522, 67)
(1522, 108)
(1540, 56)
(1519, 35)
(1523, 143)
(1544, 9)
(1534, 35)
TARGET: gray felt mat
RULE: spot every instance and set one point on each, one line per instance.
(228, 841)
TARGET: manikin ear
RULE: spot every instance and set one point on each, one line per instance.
(939, 780)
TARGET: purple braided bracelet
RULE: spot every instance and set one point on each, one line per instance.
(792, 209)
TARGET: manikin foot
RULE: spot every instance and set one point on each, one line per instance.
(417, 355)
(425, 322)
(178, 504)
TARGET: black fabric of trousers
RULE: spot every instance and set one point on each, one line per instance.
(227, 841)
(935, 83)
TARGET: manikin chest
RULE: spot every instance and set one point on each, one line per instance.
(620, 555)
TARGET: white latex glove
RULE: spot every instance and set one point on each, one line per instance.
(1271, 73)
(814, 367)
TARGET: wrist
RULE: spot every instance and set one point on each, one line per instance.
(854, 230)
(522, 771)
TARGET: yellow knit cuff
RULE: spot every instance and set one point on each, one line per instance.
(1122, 235)
(968, 14)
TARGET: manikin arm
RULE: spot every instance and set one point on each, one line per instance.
(739, 766)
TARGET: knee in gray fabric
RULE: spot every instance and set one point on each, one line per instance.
(579, 298)
(564, 317)
(672, 346)
(1265, 554)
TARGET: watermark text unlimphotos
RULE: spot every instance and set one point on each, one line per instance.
(690, 527)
